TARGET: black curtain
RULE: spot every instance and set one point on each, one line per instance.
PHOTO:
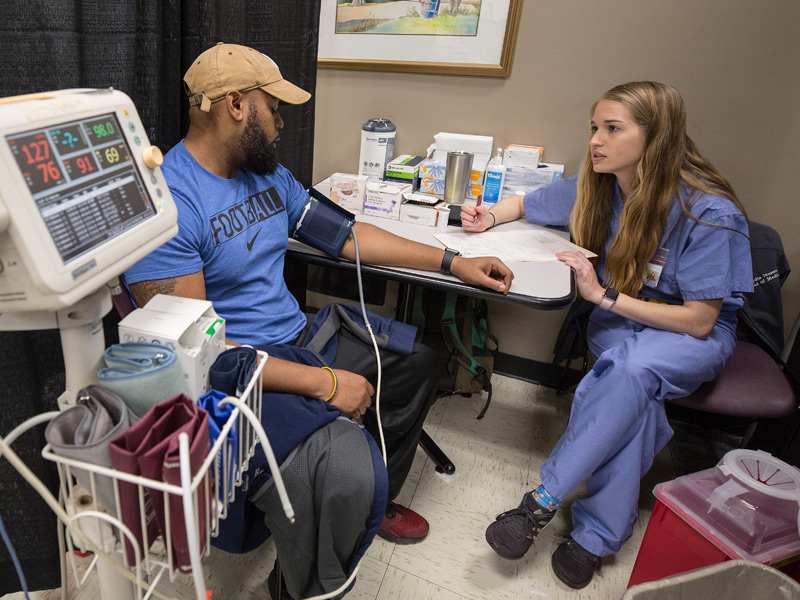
(143, 48)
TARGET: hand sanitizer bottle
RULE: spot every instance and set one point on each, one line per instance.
(495, 176)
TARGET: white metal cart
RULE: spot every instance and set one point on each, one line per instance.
(105, 534)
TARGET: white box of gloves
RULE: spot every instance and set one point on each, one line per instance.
(384, 199)
(192, 327)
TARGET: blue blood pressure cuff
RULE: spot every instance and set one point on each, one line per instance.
(323, 225)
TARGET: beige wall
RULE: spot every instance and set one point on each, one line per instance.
(734, 61)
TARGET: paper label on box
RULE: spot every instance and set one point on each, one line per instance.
(419, 214)
(384, 200)
(522, 156)
(348, 191)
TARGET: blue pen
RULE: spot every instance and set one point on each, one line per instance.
(480, 198)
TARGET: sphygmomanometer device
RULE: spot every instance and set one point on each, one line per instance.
(323, 224)
(82, 199)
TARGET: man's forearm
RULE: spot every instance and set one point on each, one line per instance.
(380, 247)
(293, 378)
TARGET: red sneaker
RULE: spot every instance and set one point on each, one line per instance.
(402, 525)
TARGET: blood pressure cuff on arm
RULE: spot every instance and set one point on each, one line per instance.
(323, 226)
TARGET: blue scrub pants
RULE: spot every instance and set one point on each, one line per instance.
(618, 423)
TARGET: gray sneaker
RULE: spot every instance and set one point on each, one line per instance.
(574, 565)
(513, 532)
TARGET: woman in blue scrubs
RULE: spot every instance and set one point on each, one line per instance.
(673, 262)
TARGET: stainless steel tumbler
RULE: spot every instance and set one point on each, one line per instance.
(456, 176)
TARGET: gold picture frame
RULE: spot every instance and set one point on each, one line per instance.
(496, 61)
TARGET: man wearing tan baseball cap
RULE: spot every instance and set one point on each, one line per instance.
(227, 67)
(236, 207)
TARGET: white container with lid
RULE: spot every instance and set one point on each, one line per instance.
(377, 147)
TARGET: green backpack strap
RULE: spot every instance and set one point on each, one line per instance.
(450, 324)
(480, 331)
(460, 352)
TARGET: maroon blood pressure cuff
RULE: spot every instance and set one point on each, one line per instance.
(150, 449)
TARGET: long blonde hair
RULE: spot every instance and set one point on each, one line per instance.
(670, 160)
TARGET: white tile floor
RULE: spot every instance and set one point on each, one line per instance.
(497, 459)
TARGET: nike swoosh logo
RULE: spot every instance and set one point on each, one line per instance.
(250, 243)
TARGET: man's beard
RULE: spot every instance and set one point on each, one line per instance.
(259, 153)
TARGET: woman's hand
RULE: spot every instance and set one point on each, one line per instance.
(585, 275)
(694, 317)
(475, 218)
(354, 394)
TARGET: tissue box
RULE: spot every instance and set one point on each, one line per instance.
(420, 214)
(431, 176)
(404, 169)
(522, 156)
(384, 199)
(475, 185)
(348, 191)
(190, 326)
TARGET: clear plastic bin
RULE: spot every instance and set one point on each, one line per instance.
(744, 508)
(747, 505)
(730, 580)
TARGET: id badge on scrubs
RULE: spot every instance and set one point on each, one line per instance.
(655, 266)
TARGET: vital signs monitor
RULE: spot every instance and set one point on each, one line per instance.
(82, 196)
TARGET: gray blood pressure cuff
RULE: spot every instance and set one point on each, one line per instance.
(323, 225)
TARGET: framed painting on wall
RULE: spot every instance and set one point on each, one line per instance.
(454, 37)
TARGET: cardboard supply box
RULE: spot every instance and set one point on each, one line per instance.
(522, 156)
(384, 199)
(518, 190)
(348, 191)
(404, 169)
(420, 214)
(190, 326)
(528, 176)
(523, 180)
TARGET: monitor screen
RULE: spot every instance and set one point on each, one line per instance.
(84, 181)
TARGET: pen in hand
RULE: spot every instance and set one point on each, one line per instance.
(480, 198)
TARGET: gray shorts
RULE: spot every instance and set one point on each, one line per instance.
(330, 481)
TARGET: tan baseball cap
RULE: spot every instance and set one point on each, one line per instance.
(227, 67)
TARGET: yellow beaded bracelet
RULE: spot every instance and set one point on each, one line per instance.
(335, 385)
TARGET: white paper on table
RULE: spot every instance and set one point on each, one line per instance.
(521, 245)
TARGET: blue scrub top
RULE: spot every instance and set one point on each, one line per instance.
(703, 261)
